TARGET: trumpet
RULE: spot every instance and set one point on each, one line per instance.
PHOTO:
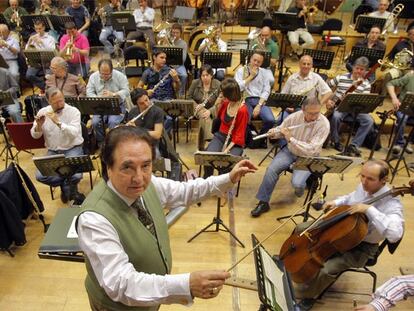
(16, 20)
(277, 129)
(394, 15)
(33, 40)
(45, 8)
(311, 10)
(69, 49)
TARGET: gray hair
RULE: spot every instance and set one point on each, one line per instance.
(52, 92)
(362, 61)
(310, 101)
(59, 61)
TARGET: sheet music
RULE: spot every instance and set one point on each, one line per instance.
(274, 281)
(72, 234)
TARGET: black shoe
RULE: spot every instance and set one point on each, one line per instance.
(338, 146)
(306, 304)
(78, 198)
(262, 207)
(64, 197)
(353, 150)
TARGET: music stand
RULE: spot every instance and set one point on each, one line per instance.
(58, 22)
(3, 63)
(29, 20)
(372, 54)
(273, 281)
(364, 23)
(251, 18)
(355, 104)
(64, 167)
(6, 99)
(284, 22)
(123, 21)
(245, 55)
(407, 108)
(39, 58)
(318, 166)
(217, 59)
(218, 160)
(184, 13)
(176, 108)
(321, 59)
(174, 55)
(282, 101)
(103, 106)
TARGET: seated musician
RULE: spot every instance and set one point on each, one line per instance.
(46, 7)
(304, 141)
(372, 41)
(385, 221)
(80, 14)
(177, 41)
(107, 82)
(341, 84)
(9, 84)
(161, 77)
(305, 83)
(264, 42)
(152, 116)
(234, 116)
(13, 13)
(9, 50)
(214, 43)
(144, 20)
(205, 90)
(39, 41)
(383, 13)
(74, 47)
(253, 80)
(300, 9)
(405, 84)
(69, 84)
(60, 126)
(397, 55)
(107, 30)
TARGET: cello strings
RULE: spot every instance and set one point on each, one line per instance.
(317, 195)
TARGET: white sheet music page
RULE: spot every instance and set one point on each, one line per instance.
(72, 234)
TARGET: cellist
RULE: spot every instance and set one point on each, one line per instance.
(385, 221)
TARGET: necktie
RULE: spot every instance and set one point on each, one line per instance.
(143, 216)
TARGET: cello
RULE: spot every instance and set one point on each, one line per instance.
(304, 254)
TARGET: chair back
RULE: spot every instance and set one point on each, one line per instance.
(332, 24)
(22, 139)
(135, 52)
(392, 247)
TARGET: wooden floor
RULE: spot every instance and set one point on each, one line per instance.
(30, 283)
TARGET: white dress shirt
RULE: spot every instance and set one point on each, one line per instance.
(310, 86)
(122, 283)
(145, 19)
(67, 136)
(47, 42)
(258, 87)
(387, 15)
(6, 53)
(385, 216)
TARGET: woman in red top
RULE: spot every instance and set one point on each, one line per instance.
(229, 107)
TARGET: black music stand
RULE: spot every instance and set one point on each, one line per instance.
(103, 106)
(6, 99)
(321, 59)
(318, 166)
(282, 101)
(251, 18)
(58, 22)
(174, 55)
(372, 54)
(273, 281)
(223, 161)
(29, 20)
(284, 22)
(64, 167)
(3, 63)
(217, 59)
(364, 23)
(245, 55)
(39, 58)
(177, 108)
(355, 104)
(123, 21)
(407, 108)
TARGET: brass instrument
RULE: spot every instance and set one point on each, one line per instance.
(394, 15)
(402, 61)
(211, 35)
(33, 40)
(164, 37)
(255, 35)
(45, 9)
(69, 50)
(310, 11)
(17, 21)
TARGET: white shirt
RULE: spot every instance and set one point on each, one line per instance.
(259, 86)
(67, 136)
(309, 86)
(6, 53)
(387, 15)
(222, 46)
(385, 216)
(145, 19)
(47, 42)
(117, 276)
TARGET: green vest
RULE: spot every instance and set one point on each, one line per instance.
(144, 251)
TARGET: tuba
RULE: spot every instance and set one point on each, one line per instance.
(164, 37)
(255, 35)
(211, 34)
(402, 61)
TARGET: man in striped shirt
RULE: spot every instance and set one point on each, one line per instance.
(304, 141)
(341, 84)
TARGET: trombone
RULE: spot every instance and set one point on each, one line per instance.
(394, 15)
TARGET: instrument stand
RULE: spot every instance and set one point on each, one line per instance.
(284, 22)
(217, 160)
(364, 23)
(282, 101)
(358, 103)
(318, 166)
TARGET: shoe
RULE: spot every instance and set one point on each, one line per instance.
(78, 198)
(396, 149)
(64, 197)
(306, 304)
(353, 150)
(338, 146)
(409, 150)
(262, 207)
(299, 192)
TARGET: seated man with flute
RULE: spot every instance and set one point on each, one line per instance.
(304, 132)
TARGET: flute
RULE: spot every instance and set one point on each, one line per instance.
(142, 114)
(278, 130)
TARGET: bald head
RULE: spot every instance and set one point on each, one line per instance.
(14, 3)
(265, 34)
(4, 31)
(383, 5)
(305, 65)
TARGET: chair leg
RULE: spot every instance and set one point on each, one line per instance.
(51, 192)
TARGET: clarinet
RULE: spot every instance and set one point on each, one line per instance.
(163, 79)
(202, 105)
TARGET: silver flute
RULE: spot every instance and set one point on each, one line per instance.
(278, 130)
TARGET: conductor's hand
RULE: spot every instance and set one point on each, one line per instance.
(207, 284)
(365, 308)
(329, 205)
(240, 169)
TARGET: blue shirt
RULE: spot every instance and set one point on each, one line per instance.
(150, 78)
(79, 15)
